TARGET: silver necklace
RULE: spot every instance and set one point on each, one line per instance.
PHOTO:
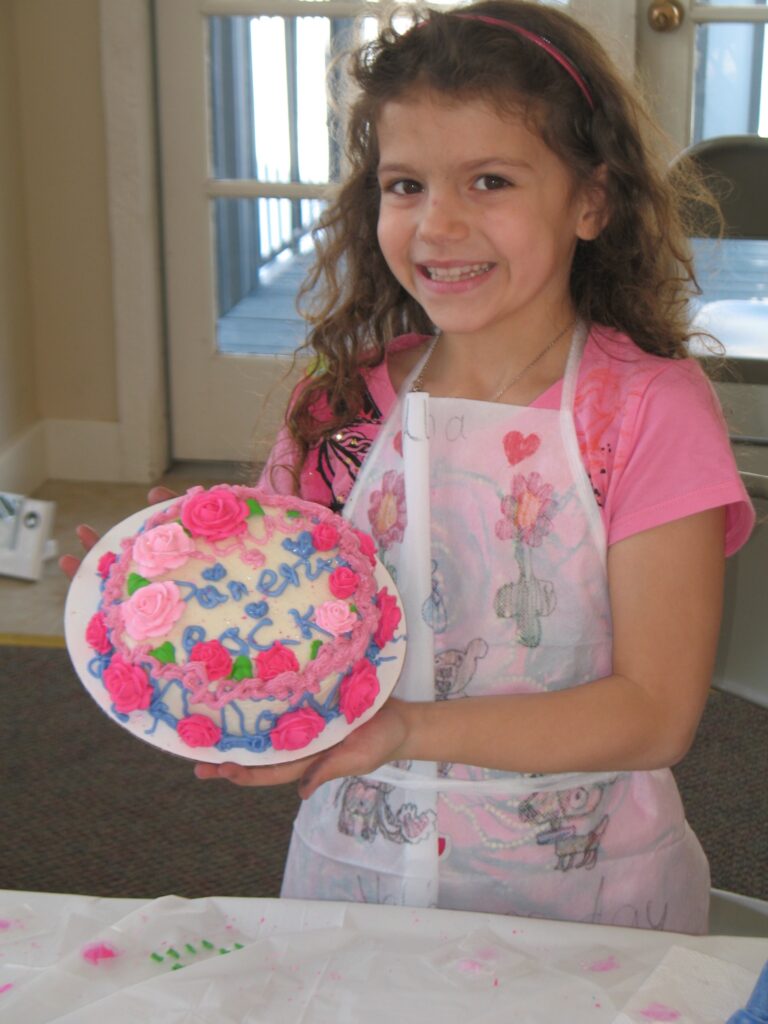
(418, 384)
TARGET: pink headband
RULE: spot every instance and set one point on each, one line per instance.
(541, 41)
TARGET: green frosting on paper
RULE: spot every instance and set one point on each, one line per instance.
(135, 582)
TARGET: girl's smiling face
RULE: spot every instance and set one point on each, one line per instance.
(479, 218)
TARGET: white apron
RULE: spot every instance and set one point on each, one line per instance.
(501, 564)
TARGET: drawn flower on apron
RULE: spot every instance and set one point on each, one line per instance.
(527, 511)
(386, 511)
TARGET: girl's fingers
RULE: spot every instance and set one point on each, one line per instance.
(87, 536)
(69, 565)
(157, 494)
(269, 775)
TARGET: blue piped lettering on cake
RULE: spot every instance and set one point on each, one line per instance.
(268, 580)
(233, 642)
(302, 546)
(214, 572)
(304, 623)
(210, 597)
(237, 589)
(257, 610)
(192, 635)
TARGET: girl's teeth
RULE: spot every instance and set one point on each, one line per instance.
(457, 273)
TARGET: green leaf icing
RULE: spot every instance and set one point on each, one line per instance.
(165, 653)
(242, 668)
(255, 507)
(135, 582)
(314, 648)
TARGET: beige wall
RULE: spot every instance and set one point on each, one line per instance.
(57, 336)
(18, 401)
(65, 194)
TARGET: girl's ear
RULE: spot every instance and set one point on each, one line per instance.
(594, 205)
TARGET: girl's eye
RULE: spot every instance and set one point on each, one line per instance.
(491, 182)
(404, 187)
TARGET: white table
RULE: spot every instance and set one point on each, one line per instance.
(174, 961)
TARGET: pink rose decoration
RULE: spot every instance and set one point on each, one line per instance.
(127, 685)
(198, 731)
(389, 618)
(335, 617)
(325, 536)
(216, 658)
(162, 548)
(276, 660)
(96, 635)
(343, 582)
(105, 563)
(367, 545)
(295, 729)
(358, 690)
(215, 514)
(152, 610)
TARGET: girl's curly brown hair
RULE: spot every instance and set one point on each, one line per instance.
(636, 276)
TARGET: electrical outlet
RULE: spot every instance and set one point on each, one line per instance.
(25, 535)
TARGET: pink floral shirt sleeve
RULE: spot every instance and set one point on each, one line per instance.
(651, 433)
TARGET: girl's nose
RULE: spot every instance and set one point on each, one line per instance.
(442, 219)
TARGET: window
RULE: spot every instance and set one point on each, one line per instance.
(272, 142)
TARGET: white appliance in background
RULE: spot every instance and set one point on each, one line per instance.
(25, 535)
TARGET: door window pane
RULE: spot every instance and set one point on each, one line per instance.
(731, 87)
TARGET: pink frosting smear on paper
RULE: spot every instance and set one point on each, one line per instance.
(99, 951)
(6, 988)
(609, 964)
(658, 1011)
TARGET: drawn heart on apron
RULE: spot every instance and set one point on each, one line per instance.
(519, 446)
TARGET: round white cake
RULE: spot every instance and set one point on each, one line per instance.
(233, 624)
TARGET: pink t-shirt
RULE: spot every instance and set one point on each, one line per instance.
(651, 433)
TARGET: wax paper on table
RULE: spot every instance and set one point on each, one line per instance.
(689, 987)
(174, 961)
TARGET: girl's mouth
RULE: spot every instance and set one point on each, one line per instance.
(448, 275)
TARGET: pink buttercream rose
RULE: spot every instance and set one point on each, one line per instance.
(198, 731)
(96, 634)
(367, 545)
(343, 582)
(215, 657)
(276, 660)
(295, 729)
(389, 618)
(162, 548)
(127, 685)
(215, 514)
(152, 610)
(105, 563)
(358, 690)
(335, 617)
(325, 536)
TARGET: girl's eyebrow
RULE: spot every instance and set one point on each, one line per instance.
(471, 165)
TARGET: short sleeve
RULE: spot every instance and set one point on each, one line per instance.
(673, 456)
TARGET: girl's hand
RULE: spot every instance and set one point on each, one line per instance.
(87, 536)
(376, 742)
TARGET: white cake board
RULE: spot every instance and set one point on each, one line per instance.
(82, 603)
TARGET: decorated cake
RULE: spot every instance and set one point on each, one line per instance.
(233, 621)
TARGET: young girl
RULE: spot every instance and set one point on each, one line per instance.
(506, 243)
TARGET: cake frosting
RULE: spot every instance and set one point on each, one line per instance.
(238, 619)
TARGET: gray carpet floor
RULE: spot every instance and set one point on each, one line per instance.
(87, 808)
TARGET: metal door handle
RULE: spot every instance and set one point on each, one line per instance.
(665, 16)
